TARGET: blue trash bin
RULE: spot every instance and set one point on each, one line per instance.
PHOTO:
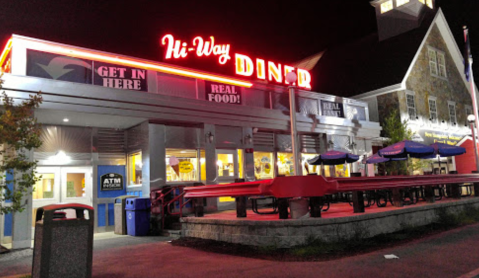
(137, 216)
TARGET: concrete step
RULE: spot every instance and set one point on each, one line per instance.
(171, 233)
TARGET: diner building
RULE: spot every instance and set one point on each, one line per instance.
(115, 125)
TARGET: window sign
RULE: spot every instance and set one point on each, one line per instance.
(120, 77)
(334, 109)
(222, 93)
(111, 181)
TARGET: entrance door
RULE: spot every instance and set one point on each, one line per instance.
(227, 165)
(62, 185)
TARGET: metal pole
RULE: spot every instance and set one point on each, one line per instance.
(474, 99)
(294, 132)
(475, 145)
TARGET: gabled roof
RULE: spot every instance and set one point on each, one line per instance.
(367, 64)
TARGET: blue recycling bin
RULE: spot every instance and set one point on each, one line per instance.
(137, 216)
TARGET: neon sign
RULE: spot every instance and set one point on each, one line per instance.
(244, 65)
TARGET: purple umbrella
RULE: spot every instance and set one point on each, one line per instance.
(376, 158)
(406, 148)
(444, 150)
(333, 158)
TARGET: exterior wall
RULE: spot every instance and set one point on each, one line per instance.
(447, 89)
(466, 163)
(289, 233)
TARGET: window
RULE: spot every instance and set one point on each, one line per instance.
(442, 64)
(432, 110)
(437, 63)
(134, 169)
(386, 6)
(285, 164)
(181, 165)
(263, 165)
(401, 2)
(411, 106)
(44, 187)
(429, 3)
(432, 61)
(452, 112)
(422, 1)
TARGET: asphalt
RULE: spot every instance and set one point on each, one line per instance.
(454, 253)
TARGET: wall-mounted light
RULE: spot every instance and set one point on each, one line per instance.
(248, 139)
(209, 137)
(66, 120)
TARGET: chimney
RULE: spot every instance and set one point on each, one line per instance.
(395, 17)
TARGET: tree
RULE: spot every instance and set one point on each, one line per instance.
(397, 131)
(19, 132)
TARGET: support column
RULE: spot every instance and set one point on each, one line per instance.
(209, 139)
(21, 226)
(283, 208)
(397, 198)
(358, 201)
(429, 194)
(157, 155)
(315, 205)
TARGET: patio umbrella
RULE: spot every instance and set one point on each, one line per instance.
(376, 158)
(333, 158)
(405, 149)
(444, 150)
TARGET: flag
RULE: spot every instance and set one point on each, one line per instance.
(467, 53)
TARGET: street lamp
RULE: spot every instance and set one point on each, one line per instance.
(291, 77)
(471, 119)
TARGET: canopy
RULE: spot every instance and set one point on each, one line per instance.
(404, 148)
(376, 158)
(333, 158)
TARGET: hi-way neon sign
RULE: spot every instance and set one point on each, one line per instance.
(244, 65)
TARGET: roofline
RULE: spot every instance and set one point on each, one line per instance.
(381, 91)
(451, 44)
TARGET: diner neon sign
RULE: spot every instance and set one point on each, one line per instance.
(244, 65)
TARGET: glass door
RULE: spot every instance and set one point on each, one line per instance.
(62, 185)
(227, 165)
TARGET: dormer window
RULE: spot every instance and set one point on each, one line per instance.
(386, 6)
(401, 2)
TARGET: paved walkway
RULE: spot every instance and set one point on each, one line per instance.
(450, 254)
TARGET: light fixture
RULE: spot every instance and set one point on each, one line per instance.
(471, 118)
(66, 120)
(248, 139)
(209, 137)
(59, 158)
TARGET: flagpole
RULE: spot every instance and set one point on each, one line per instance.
(473, 90)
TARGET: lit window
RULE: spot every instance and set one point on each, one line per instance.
(44, 187)
(401, 2)
(441, 61)
(432, 61)
(432, 110)
(429, 3)
(386, 6)
(285, 164)
(135, 165)
(452, 112)
(422, 1)
(309, 169)
(263, 165)
(411, 106)
(181, 165)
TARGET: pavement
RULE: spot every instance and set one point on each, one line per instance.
(454, 254)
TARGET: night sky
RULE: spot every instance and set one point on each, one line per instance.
(280, 31)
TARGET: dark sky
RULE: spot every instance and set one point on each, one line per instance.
(280, 31)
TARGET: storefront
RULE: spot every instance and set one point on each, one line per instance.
(117, 125)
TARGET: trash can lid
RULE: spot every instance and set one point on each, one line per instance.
(119, 199)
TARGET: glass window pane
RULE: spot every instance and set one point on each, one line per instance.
(75, 185)
(263, 165)
(401, 2)
(309, 169)
(386, 6)
(225, 165)
(44, 188)
(181, 165)
(240, 163)
(203, 166)
(135, 165)
(285, 164)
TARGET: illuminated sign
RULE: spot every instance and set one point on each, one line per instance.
(244, 65)
(221, 93)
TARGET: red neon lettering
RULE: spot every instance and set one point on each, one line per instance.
(173, 47)
(206, 48)
(260, 69)
(304, 79)
(244, 65)
(287, 69)
(274, 72)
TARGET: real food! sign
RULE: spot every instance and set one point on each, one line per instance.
(221, 93)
